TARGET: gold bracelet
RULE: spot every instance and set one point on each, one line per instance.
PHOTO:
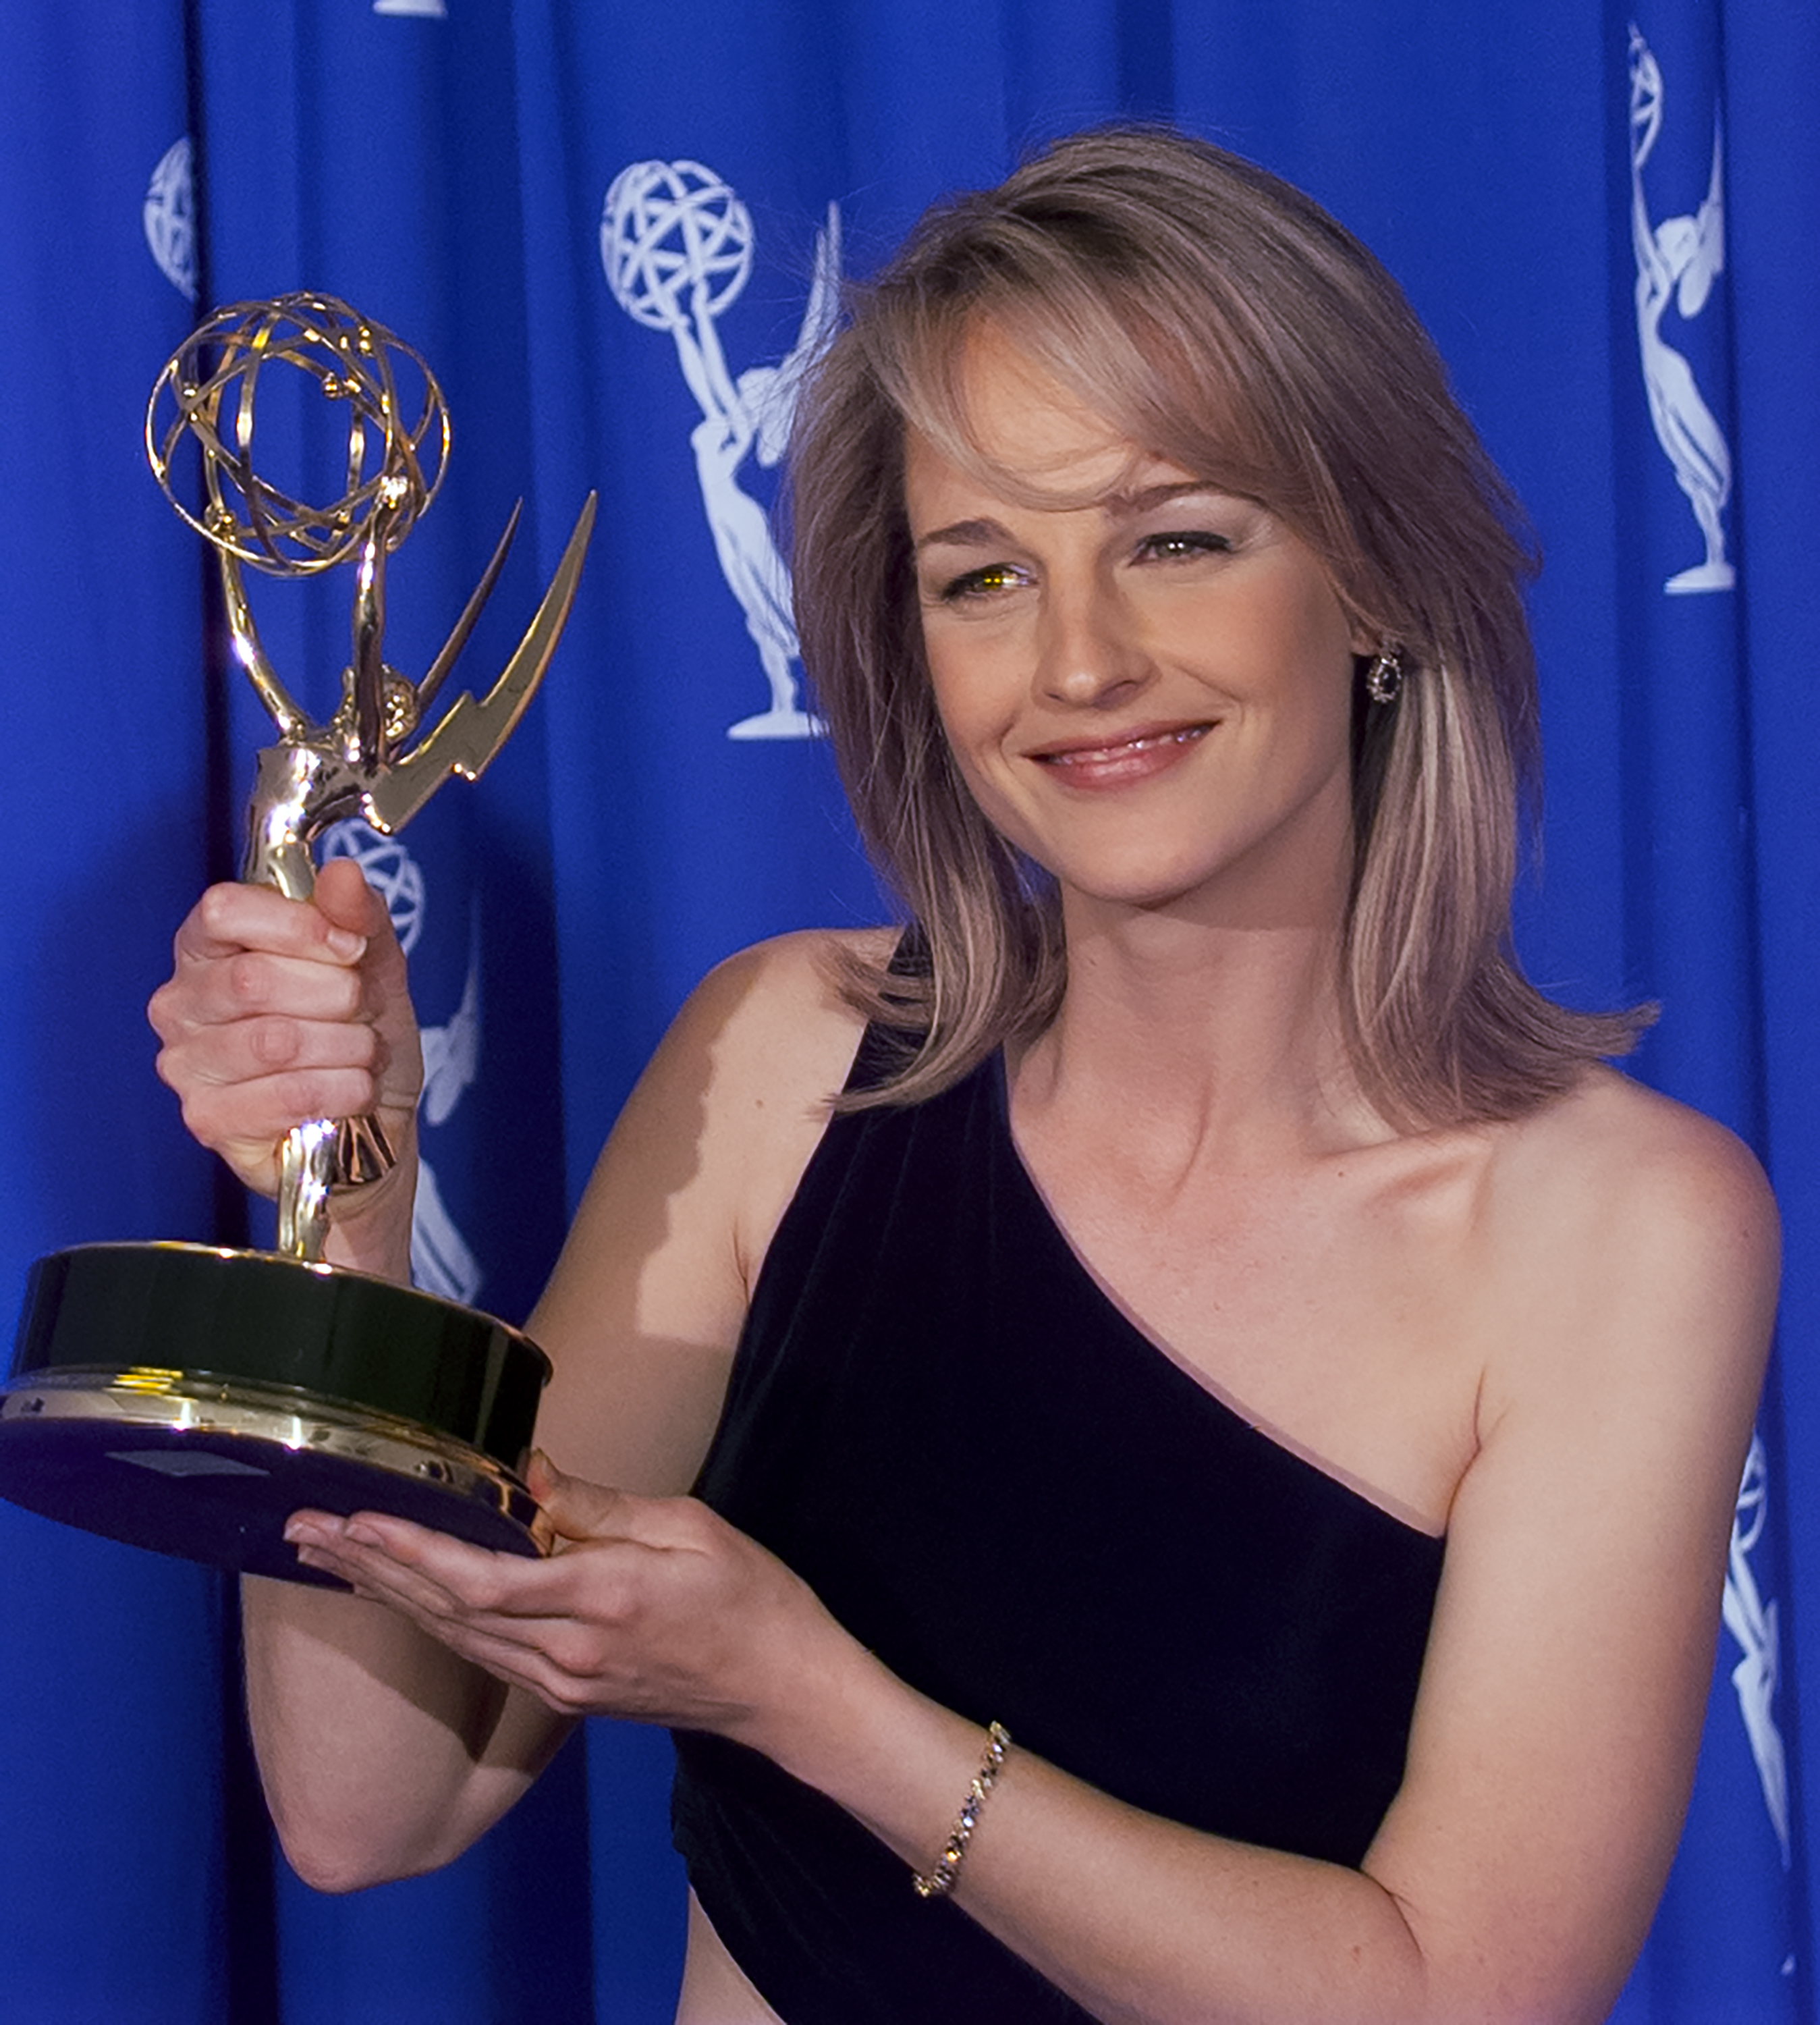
(946, 1867)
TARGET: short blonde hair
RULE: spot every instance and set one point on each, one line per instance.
(1220, 318)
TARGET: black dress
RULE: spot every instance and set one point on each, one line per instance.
(1006, 1491)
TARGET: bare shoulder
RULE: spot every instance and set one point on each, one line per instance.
(1628, 1219)
(1614, 1156)
(1621, 1275)
(740, 1090)
(645, 1307)
(745, 1077)
(772, 1022)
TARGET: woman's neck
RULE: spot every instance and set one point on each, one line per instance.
(1215, 1039)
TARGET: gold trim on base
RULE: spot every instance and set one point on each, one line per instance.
(289, 1417)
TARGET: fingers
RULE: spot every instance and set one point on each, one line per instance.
(236, 916)
(245, 1075)
(575, 1510)
(245, 1121)
(281, 1010)
(346, 902)
(521, 1620)
(260, 1046)
(243, 983)
(434, 1570)
(420, 1571)
(657, 1620)
(578, 1513)
(245, 952)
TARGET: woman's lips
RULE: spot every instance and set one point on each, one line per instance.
(1136, 756)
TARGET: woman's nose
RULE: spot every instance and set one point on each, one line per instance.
(1088, 655)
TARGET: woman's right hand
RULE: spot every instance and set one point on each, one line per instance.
(282, 1010)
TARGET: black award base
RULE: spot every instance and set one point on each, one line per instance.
(190, 1399)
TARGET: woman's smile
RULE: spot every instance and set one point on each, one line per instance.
(1122, 760)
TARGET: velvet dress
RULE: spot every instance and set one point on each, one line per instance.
(998, 1483)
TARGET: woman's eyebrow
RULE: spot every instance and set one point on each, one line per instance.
(1144, 497)
(1124, 505)
(963, 534)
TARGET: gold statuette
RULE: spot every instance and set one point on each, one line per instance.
(188, 1398)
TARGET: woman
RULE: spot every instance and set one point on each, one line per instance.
(1233, 1332)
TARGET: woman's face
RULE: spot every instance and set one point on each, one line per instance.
(1147, 684)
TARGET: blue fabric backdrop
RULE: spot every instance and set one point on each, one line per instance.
(611, 229)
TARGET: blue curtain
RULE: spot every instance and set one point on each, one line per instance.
(612, 229)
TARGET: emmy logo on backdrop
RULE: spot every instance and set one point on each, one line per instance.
(1679, 261)
(190, 1398)
(169, 217)
(1752, 1620)
(676, 243)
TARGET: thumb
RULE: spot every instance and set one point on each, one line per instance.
(572, 1509)
(342, 896)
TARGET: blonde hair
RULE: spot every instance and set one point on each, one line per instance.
(1219, 319)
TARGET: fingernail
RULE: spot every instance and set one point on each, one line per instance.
(346, 944)
(363, 1536)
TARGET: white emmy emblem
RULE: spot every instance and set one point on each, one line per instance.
(676, 245)
(1678, 260)
(1753, 1623)
(170, 217)
(441, 1261)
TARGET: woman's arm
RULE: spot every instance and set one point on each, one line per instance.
(1566, 1680)
(383, 1753)
(1630, 1259)
(1562, 1700)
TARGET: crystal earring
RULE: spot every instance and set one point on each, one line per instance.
(1384, 679)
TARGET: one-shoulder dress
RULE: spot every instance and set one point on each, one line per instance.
(1003, 1488)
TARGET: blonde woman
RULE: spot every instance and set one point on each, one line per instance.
(1186, 1303)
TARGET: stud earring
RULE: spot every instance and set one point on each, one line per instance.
(1384, 679)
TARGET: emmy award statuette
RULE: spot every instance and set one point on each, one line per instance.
(187, 1397)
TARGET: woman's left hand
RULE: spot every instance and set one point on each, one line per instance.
(650, 1608)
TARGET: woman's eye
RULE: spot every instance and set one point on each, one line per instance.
(1175, 543)
(980, 583)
